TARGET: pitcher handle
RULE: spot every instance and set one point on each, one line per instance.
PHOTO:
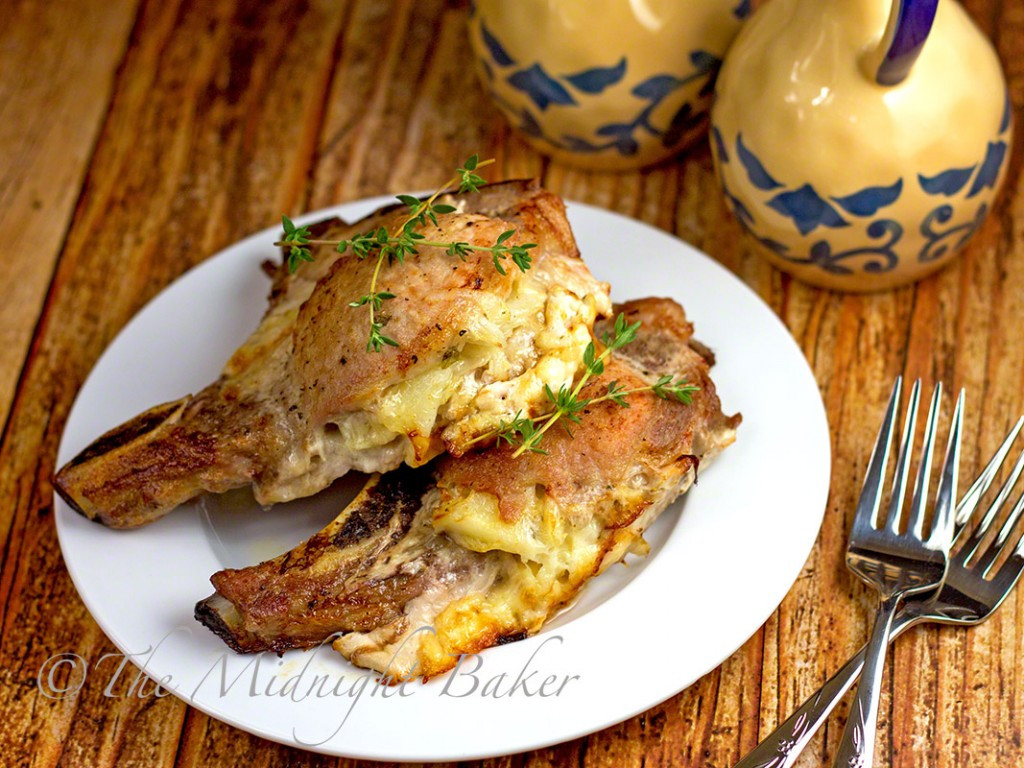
(910, 21)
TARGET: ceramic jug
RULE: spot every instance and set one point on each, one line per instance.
(609, 84)
(861, 142)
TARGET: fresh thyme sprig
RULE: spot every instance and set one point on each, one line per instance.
(297, 241)
(526, 432)
(385, 246)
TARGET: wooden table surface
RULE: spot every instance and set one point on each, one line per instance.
(139, 137)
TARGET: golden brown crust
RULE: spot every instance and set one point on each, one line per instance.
(166, 456)
(436, 297)
(613, 446)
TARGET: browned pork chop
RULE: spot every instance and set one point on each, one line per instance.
(302, 401)
(490, 546)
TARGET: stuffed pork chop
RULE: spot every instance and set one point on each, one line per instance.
(304, 400)
(425, 565)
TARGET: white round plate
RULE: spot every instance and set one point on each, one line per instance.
(721, 561)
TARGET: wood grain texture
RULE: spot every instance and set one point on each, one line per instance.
(58, 62)
(223, 114)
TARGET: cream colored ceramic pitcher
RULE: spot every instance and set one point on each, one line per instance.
(609, 84)
(861, 142)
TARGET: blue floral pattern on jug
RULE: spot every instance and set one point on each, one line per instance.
(821, 253)
(938, 241)
(540, 87)
(951, 182)
(497, 51)
(546, 90)
(809, 211)
(947, 183)
(989, 171)
(596, 79)
(869, 200)
(756, 172)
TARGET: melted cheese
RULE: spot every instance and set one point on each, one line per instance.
(500, 368)
(549, 557)
(475, 523)
(512, 349)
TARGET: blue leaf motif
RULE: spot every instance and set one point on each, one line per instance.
(775, 245)
(742, 10)
(716, 135)
(627, 146)
(756, 172)
(497, 50)
(869, 200)
(622, 134)
(1007, 113)
(807, 209)
(579, 144)
(704, 62)
(683, 121)
(741, 211)
(597, 79)
(708, 87)
(947, 183)
(540, 87)
(989, 171)
(656, 87)
(528, 124)
(615, 129)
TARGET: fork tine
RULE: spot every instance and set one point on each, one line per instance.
(1010, 570)
(983, 527)
(970, 500)
(1006, 578)
(1011, 520)
(1000, 544)
(919, 501)
(945, 499)
(899, 482)
(871, 495)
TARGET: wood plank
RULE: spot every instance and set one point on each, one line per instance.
(210, 136)
(57, 64)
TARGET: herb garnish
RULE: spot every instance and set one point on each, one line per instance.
(383, 245)
(526, 432)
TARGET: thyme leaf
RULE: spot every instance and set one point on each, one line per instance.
(382, 245)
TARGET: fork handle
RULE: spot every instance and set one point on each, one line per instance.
(783, 746)
(857, 747)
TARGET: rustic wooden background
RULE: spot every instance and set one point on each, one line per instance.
(137, 138)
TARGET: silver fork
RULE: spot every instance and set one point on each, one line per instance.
(967, 597)
(894, 562)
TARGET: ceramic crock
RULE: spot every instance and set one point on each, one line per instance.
(611, 84)
(861, 142)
